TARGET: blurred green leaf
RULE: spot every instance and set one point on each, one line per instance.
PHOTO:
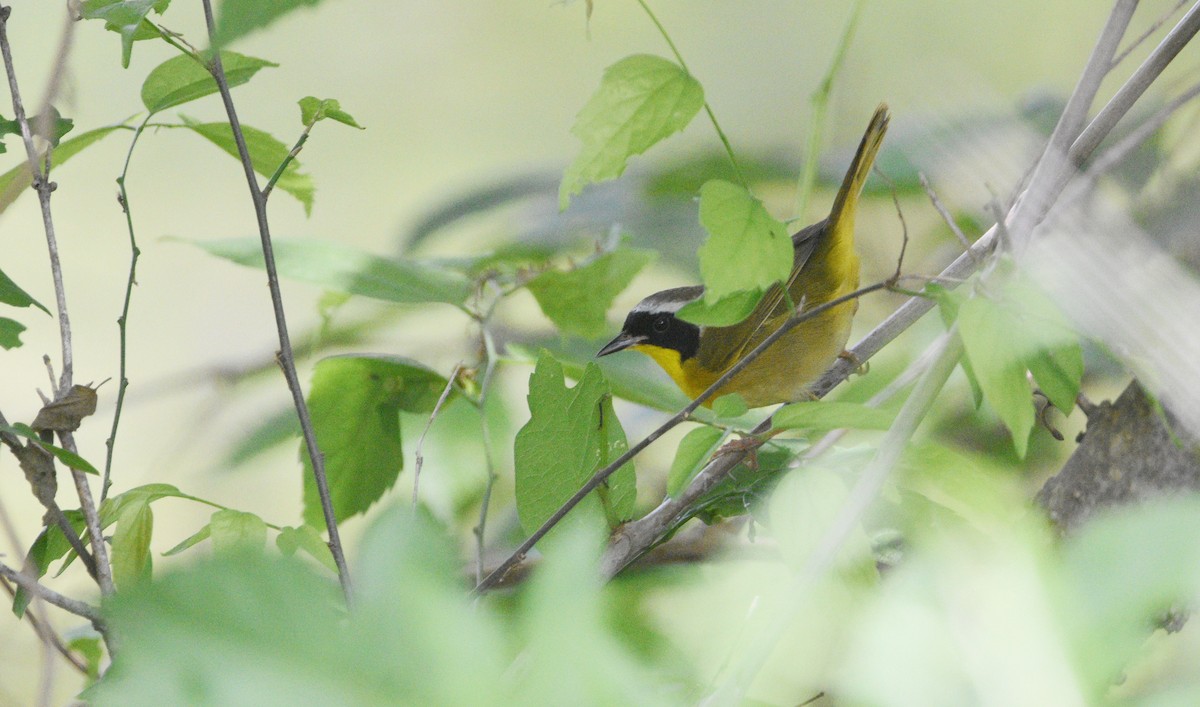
(181, 79)
(237, 532)
(10, 333)
(577, 300)
(190, 541)
(266, 154)
(571, 433)
(999, 365)
(694, 450)
(339, 267)
(88, 647)
(314, 109)
(948, 304)
(355, 404)
(308, 539)
(11, 293)
(15, 181)
(49, 545)
(642, 99)
(130, 552)
(820, 415)
(125, 17)
(802, 509)
(730, 405)
(237, 18)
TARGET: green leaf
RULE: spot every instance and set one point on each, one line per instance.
(571, 434)
(642, 99)
(831, 416)
(88, 647)
(725, 311)
(125, 17)
(237, 532)
(237, 18)
(131, 545)
(190, 541)
(746, 249)
(636, 379)
(803, 508)
(340, 267)
(694, 450)
(999, 364)
(71, 459)
(1058, 373)
(10, 333)
(306, 538)
(313, 110)
(948, 304)
(14, 182)
(61, 126)
(11, 293)
(1054, 355)
(355, 404)
(577, 300)
(730, 405)
(116, 506)
(266, 154)
(49, 545)
(181, 79)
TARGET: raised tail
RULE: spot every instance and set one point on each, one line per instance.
(844, 205)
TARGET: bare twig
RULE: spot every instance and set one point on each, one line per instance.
(944, 213)
(681, 416)
(1149, 31)
(420, 458)
(286, 356)
(1130, 142)
(485, 431)
(65, 603)
(123, 320)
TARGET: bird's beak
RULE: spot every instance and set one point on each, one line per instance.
(622, 342)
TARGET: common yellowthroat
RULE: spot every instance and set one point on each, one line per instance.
(824, 267)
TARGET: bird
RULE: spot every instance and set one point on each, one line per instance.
(824, 267)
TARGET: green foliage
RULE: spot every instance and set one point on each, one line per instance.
(183, 79)
(577, 300)
(413, 637)
(340, 267)
(49, 545)
(571, 433)
(642, 99)
(831, 416)
(12, 294)
(355, 404)
(1003, 339)
(695, 449)
(802, 512)
(314, 110)
(746, 248)
(266, 154)
(308, 539)
(125, 17)
(10, 333)
(237, 18)
(130, 553)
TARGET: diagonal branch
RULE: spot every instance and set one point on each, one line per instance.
(285, 356)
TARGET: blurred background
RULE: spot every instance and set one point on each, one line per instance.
(467, 108)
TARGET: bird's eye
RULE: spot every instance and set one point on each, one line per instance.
(662, 324)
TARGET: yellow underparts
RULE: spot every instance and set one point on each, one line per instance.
(691, 378)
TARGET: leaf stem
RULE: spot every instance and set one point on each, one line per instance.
(712, 117)
(122, 321)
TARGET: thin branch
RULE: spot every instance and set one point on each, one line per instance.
(123, 320)
(1115, 154)
(420, 458)
(600, 476)
(944, 213)
(291, 155)
(485, 431)
(1149, 31)
(286, 356)
(47, 633)
(43, 592)
(1136, 85)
